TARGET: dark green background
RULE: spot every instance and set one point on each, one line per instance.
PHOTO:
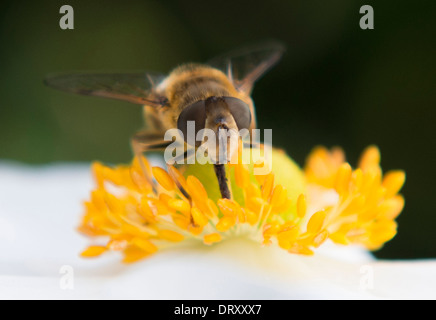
(336, 85)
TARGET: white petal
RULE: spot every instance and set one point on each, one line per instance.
(39, 208)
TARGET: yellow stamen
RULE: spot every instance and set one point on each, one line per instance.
(180, 205)
(211, 238)
(196, 189)
(199, 218)
(370, 158)
(133, 254)
(301, 206)
(320, 238)
(225, 223)
(144, 244)
(343, 178)
(267, 186)
(93, 251)
(163, 178)
(316, 222)
(393, 182)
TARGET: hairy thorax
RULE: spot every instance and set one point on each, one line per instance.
(190, 83)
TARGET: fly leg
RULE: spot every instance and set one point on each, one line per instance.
(146, 141)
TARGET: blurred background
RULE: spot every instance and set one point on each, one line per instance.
(337, 85)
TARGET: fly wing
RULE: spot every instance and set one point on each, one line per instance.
(137, 87)
(246, 65)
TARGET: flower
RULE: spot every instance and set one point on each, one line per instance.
(43, 243)
(298, 210)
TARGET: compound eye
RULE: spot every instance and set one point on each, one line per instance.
(240, 112)
(193, 115)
